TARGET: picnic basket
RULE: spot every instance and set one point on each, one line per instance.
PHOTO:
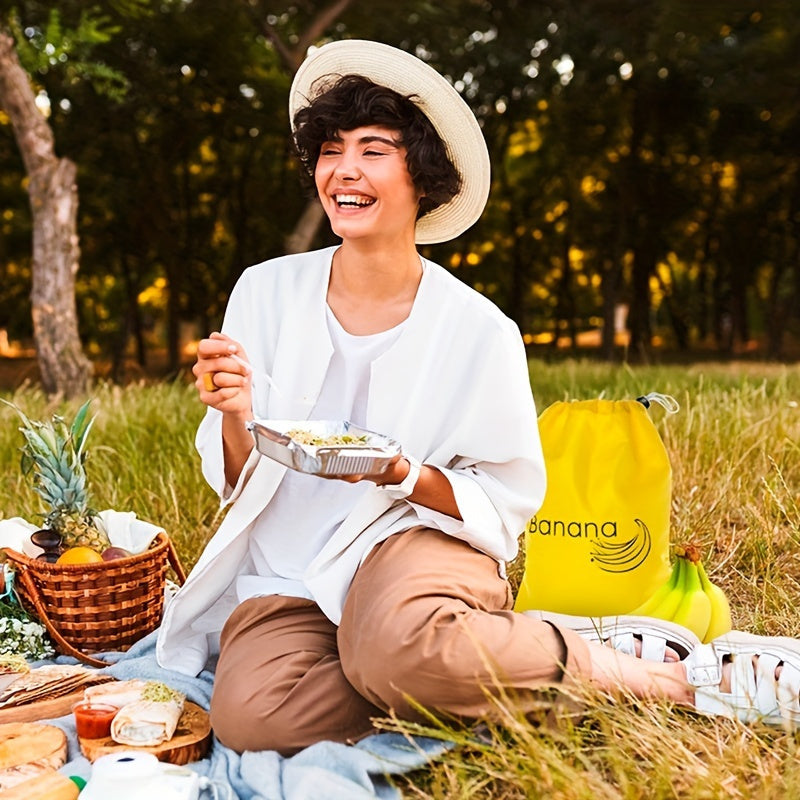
(97, 607)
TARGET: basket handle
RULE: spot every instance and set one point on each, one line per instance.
(175, 562)
(41, 612)
(41, 609)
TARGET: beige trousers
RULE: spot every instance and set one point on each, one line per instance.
(427, 618)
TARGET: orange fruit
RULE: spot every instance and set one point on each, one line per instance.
(80, 555)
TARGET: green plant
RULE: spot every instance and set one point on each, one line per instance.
(20, 635)
(54, 453)
(736, 472)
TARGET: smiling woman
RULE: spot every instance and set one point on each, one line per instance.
(331, 598)
(358, 102)
(365, 187)
(372, 333)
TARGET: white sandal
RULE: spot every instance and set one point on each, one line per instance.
(621, 632)
(755, 693)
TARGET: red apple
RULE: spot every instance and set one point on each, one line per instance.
(110, 553)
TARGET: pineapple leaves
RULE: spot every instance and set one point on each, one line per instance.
(54, 452)
(80, 429)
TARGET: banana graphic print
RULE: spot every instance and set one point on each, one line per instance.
(624, 556)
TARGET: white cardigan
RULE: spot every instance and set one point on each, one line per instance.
(454, 390)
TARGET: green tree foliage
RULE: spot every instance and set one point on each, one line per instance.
(644, 154)
(625, 158)
(53, 46)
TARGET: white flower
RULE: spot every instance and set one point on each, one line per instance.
(27, 639)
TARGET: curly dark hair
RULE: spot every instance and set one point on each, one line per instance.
(353, 101)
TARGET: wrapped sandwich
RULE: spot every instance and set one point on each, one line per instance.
(11, 668)
(116, 693)
(150, 720)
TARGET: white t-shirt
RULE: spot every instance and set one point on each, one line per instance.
(306, 509)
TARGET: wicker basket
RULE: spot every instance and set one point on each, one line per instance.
(92, 608)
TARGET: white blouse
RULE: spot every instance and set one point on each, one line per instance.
(453, 388)
(305, 511)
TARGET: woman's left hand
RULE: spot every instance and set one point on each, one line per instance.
(431, 489)
(393, 474)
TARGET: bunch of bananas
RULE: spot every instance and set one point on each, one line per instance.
(689, 598)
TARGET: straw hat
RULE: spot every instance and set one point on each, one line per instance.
(440, 102)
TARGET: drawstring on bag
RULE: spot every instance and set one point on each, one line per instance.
(669, 403)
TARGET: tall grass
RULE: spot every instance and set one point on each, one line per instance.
(141, 458)
(735, 452)
(734, 447)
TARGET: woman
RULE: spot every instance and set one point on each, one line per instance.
(333, 602)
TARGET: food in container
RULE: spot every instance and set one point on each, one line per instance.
(51, 543)
(146, 712)
(324, 447)
(150, 721)
(93, 720)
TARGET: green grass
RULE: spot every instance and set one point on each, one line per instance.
(141, 457)
(735, 452)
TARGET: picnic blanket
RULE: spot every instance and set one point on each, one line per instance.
(326, 769)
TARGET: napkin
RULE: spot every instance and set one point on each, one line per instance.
(15, 533)
(126, 531)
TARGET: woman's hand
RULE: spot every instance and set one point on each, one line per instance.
(222, 375)
(394, 473)
(432, 489)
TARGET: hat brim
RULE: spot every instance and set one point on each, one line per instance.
(437, 99)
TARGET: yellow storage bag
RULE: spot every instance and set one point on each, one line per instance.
(599, 544)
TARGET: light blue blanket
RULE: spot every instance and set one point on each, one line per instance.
(324, 770)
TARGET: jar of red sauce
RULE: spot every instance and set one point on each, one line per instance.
(93, 720)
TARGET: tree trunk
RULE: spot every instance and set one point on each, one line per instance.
(134, 314)
(639, 315)
(517, 303)
(566, 306)
(609, 287)
(53, 198)
(613, 269)
(300, 239)
(723, 318)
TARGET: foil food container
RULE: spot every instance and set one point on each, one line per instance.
(368, 457)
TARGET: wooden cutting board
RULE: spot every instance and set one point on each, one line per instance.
(30, 754)
(191, 741)
(50, 785)
(53, 698)
(28, 742)
(42, 709)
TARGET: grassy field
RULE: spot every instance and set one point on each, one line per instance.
(735, 451)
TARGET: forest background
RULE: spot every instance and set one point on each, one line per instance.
(645, 206)
(645, 195)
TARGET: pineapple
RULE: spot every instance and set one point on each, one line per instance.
(54, 452)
